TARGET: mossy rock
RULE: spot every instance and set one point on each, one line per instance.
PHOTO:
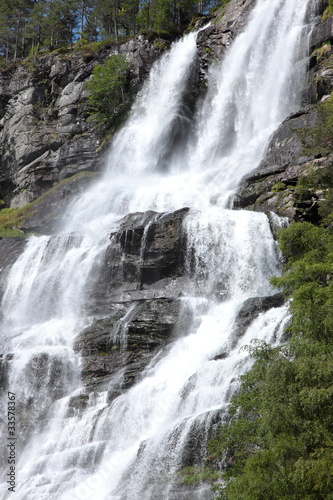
(44, 214)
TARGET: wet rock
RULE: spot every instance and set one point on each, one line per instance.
(79, 402)
(136, 293)
(145, 259)
(126, 341)
(251, 309)
(322, 32)
(10, 250)
(3, 374)
(271, 187)
(47, 214)
(286, 145)
(216, 38)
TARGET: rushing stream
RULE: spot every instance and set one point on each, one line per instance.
(163, 159)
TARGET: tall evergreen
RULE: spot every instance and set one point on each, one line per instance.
(27, 25)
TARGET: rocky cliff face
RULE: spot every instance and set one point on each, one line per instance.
(45, 135)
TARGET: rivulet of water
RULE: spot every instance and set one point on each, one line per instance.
(165, 157)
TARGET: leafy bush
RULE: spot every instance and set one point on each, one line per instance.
(108, 95)
(319, 139)
(319, 178)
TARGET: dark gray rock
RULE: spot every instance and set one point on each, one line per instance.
(249, 311)
(121, 345)
(134, 300)
(286, 145)
(215, 39)
(322, 32)
(145, 259)
(252, 308)
(271, 187)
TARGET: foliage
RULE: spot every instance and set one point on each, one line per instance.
(328, 11)
(320, 178)
(160, 45)
(323, 51)
(30, 26)
(319, 139)
(195, 475)
(108, 90)
(10, 221)
(279, 186)
(278, 440)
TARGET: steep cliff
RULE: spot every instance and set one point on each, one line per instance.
(45, 133)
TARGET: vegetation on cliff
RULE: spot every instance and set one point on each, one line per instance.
(13, 220)
(329, 10)
(318, 140)
(277, 441)
(108, 96)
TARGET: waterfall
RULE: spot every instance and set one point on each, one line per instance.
(166, 157)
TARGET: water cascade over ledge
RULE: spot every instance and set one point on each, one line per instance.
(165, 158)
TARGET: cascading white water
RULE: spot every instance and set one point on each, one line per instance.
(132, 448)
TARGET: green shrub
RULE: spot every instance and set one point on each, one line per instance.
(195, 475)
(160, 45)
(328, 12)
(319, 139)
(108, 95)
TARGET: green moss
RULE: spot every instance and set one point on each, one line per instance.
(12, 219)
(328, 12)
(89, 49)
(323, 51)
(160, 45)
(279, 186)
